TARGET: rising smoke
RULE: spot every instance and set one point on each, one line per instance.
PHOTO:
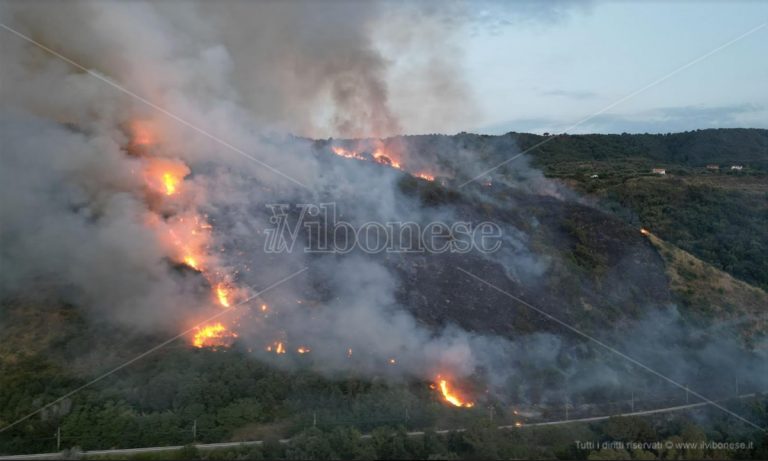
(77, 220)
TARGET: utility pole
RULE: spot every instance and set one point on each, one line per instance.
(633, 401)
(58, 438)
(194, 430)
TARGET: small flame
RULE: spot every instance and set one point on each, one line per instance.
(171, 182)
(425, 176)
(341, 152)
(385, 159)
(192, 262)
(164, 175)
(451, 396)
(645, 231)
(303, 350)
(392, 361)
(212, 336)
(264, 308)
(278, 348)
(349, 352)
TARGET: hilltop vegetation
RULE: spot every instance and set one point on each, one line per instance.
(719, 216)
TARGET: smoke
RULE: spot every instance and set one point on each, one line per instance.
(78, 220)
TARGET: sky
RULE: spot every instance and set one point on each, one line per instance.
(545, 69)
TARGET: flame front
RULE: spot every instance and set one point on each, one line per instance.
(341, 152)
(451, 396)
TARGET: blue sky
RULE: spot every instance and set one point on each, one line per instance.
(544, 72)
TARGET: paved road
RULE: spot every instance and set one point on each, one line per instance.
(213, 446)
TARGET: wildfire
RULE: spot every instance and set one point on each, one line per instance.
(186, 233)
(222, 293)
(212, 336)
(425, 176)
(164, 175)
(303, 350)
(385, 159)
(451, 396)
(279, 348)
(341, 152)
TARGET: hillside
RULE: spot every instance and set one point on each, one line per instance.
(706, 292)
(574, 249)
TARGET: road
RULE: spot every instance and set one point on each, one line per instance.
(213, 446)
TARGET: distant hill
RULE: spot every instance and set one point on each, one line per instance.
(743, 146)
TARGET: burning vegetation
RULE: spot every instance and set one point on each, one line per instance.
(184, 230)
(382, 157)
(450, 394)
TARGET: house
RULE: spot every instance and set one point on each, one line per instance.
(712, 166)
(659, 171)
(737, 167)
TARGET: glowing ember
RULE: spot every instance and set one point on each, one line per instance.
(392, 361)
(222, 293)
(518, 424)
(303, 350)
(645, 231)
(349, 352)
(451, 396)
(264, 308)
(215, 335)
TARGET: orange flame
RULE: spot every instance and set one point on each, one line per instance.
(164, 175)
(385, 159)
(303, 350)
(279, 348)
(212, 336)
(451, 396)
(341, 152)
(645, 231)
(222, 293)
(426, 176)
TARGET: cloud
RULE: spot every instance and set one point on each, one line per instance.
(659, 120)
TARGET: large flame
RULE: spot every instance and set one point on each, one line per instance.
(214, 335)
(451, 396)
